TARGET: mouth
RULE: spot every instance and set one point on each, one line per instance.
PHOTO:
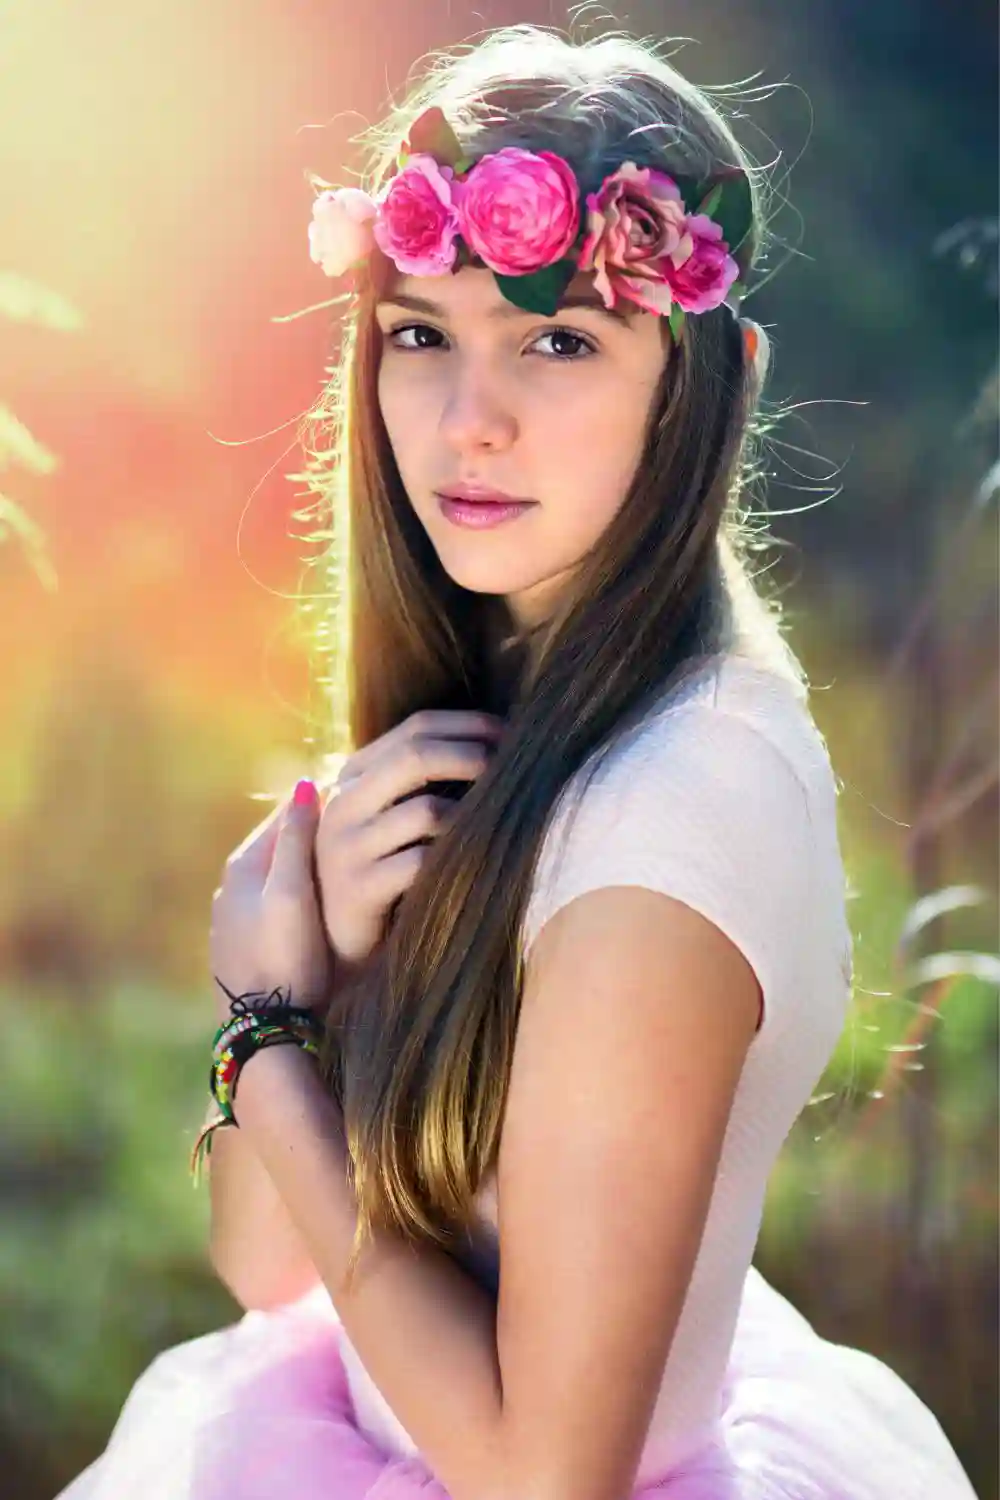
(487, 509)
(471, 494)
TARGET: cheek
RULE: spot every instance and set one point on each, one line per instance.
(392, 405)
(405, 407)
(593, 448)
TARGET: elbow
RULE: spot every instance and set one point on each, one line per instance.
(546, 1476)
(260, 1288)
(510, 1481)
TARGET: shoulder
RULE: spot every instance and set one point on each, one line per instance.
(733, 702)
(722, 798)
(730, 732)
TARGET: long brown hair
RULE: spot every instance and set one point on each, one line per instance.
(419, 1051)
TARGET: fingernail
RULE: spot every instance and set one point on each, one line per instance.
(305, 793)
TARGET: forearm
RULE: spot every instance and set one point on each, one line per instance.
(254, 1247)
(424, 1329)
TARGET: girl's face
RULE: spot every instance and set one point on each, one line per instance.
(475, 392)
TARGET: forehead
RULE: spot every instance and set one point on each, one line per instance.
(473, 291)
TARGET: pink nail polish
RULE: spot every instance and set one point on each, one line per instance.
(305, 793)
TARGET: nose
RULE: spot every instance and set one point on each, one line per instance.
(476, 417)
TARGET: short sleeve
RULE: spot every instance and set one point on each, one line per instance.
(705, 808)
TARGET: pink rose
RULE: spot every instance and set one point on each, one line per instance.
(519, 210)
(700, 281)
(635, 220)
(417, 218)
(340, 234)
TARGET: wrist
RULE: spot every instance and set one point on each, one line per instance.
(282, 1101)
(283, 1065)
(239, 1039)
(277, 1082)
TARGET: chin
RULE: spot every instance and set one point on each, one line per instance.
(488, 579)
(500, 576)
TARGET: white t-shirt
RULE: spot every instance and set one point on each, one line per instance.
(723, 798)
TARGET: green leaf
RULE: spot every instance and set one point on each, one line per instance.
(539, 292)
(734, 211)
(711, 203)
(726, 198)
(693, 190)
(430, 133)
(676, 320)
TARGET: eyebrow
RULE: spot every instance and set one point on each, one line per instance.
(508, 309)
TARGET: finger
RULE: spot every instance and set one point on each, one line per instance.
(257, 849)
(422, 817)
(438, 723)
(292, 859)
(405, 768)
(258, 845)
(393, 876)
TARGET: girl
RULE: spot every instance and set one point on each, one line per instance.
(491, 1207)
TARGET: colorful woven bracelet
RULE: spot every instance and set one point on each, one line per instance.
(234, 1048)
(244, 1019)
(237, 1040)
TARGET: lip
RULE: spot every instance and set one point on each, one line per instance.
(479, 494)
(479, 515)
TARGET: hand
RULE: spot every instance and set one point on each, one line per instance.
(267, 931)
(373, 832)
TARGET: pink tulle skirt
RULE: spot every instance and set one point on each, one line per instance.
(261, 1410)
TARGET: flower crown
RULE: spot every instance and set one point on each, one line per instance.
(671, 244)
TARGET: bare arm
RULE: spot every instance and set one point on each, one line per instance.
(412, 1310)
(254, 1247)
(501, 1398)
(366, 858)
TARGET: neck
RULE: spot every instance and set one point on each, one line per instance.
(504, 651)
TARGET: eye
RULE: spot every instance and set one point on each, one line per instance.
(419, 330)
(579, 347)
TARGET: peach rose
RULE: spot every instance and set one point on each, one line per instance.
(635, 220)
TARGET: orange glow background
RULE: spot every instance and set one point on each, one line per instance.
(153, 158)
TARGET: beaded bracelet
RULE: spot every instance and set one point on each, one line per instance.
(234, 1043)
(244, 1018)
(240, 1042)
